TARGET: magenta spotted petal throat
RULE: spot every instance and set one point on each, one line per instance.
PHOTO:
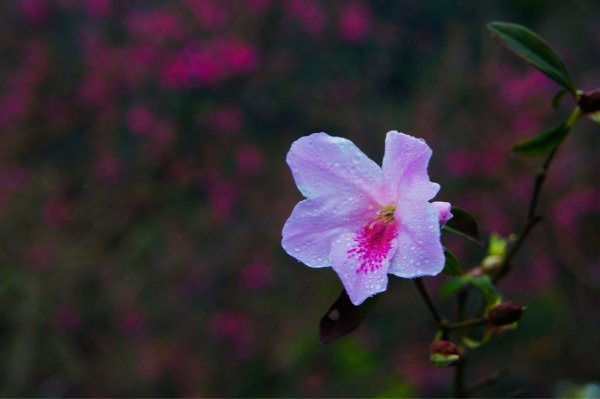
(363, 220)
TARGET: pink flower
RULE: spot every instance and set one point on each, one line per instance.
(363, 220)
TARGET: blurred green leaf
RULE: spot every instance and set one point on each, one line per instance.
(397, 389)
(497, 245)
(343, 317)
(452, 286)
(595, 117)
(531, 48)
(486, 286)
(354, 358)
(452, 266)
(463, 224)
(543, 144)
(557, 99)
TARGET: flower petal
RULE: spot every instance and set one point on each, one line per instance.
(361, 280)
(315, 222)
(420, 251)
(405, 167)
(444, 211)
(324, 165)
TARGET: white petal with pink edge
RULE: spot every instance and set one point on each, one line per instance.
(362, 259)
(405, 168)
(314, 223)
(420, 251)
(324, 165)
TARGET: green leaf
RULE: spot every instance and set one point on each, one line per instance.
(531, 48)
(452, 266)
(543, 144)
(595, 117)
(486, 286)
(343, 317)
(474, 344)
(463, 224)
(556, 100)
(452, 286)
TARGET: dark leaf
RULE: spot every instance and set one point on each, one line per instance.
(343, 317)
(463, 224)
(543, 144)
(531, 48)
(452, 286)
(452, 266)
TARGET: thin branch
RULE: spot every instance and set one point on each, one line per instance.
(506, 262)
(458, 390)
(540, 178)
(439, 320)
(466, 324)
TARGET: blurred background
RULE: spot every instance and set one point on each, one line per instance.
(143, 188)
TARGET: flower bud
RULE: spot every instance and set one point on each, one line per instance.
(590, 102)
(444, 353)
(444, 211)
(505, 313)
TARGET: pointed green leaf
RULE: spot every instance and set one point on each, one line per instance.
(463, 224)
(343, 317)
(595, 117)
(452, 266)
(543, 144)
(531, 48)
(452, 286)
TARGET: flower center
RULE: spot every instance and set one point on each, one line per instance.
(374, 241)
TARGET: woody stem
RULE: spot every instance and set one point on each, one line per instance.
(427, 299)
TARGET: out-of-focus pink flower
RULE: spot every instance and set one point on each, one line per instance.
(256, 276)
(227, 119)
(517, 91)
(355, 21)
(94, 90)
(258, 6)
(222, 194)
(14, 179)
(235, 328)
(98, 8)
(139, 120)
(363, 220)
(209, 14)
(238, 57)
(56, 212)
(249, 160)
(35, 11)
(575, 205)
(107, 167)
(308, 13)
(156, 25)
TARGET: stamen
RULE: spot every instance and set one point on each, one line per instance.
(374, 241)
